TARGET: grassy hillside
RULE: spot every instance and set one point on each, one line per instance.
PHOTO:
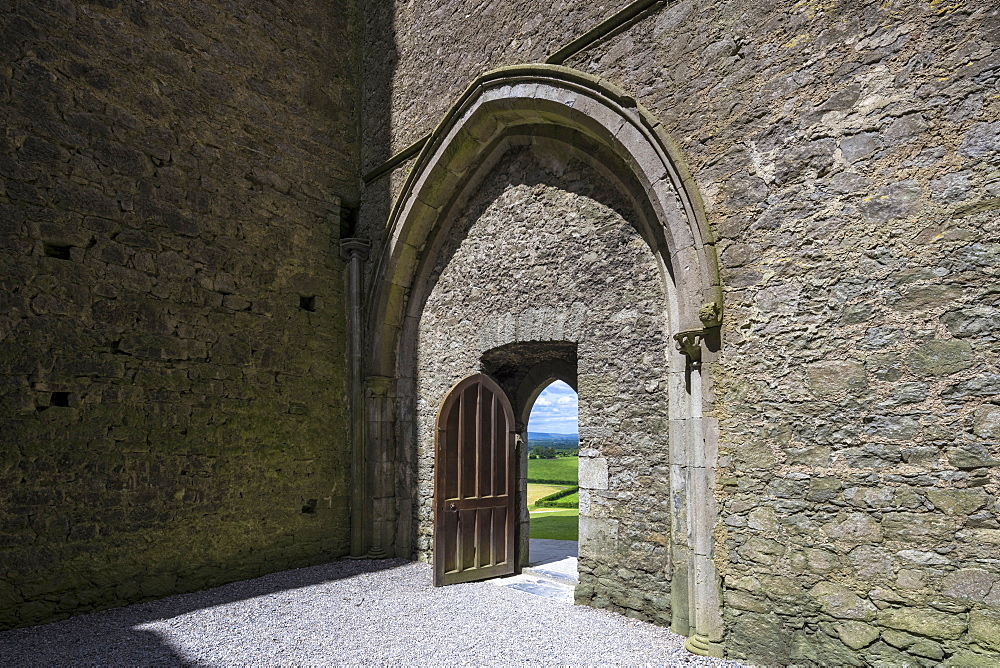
(561, 469)
(557, 525)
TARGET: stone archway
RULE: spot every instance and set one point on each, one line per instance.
(553, 108)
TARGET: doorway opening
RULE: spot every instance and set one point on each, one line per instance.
(553, 491)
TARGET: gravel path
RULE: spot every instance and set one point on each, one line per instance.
(349, 612)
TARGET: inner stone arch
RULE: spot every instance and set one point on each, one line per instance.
(524, 369)
(544, 273)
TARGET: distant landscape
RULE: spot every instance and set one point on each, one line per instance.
(557, 441)
(554, 479)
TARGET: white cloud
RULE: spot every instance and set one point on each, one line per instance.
(555, 410)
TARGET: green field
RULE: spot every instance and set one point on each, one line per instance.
(573, 498)
(537, 491)
(563, 469)
(557, 525)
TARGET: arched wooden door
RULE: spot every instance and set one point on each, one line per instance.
(474, 483)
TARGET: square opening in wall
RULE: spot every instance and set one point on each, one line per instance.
(58, 251)
(307, 303)
(59, 399)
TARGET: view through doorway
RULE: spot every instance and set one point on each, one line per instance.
(553, 494)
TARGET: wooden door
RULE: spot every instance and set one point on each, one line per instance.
(474, 484)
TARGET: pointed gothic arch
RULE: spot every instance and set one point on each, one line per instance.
(553, 105)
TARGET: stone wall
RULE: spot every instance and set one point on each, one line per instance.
(426, 52)
(847, 154)
(547, 250)
(843, 152)
(172, 372)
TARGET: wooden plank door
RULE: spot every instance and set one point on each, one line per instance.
(474, 484)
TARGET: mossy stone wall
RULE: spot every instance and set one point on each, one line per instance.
(172, 334)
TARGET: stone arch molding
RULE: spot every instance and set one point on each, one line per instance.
(548, 104)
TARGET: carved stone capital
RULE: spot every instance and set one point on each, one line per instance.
(380, 386)
(353, 247)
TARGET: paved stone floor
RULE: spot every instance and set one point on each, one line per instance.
(551, 572)
(356, 613)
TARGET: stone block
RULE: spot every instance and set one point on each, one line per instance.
(971, 456)
(986, 421)
(828, 380)
(598, 538)
(842, 603)
(940, 357)
(856, 634)
(821, 649)
(984, 628)
(869, 561)
(917, 528)
(923, 621)
(854, 528)
(965, 658)
(593, 472)
(761, 550)
(759, 638)
(968, 584)
(958, 501)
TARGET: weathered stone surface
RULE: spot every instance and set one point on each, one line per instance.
(822, 650)
(927, 297)
(856, 528)
(982, 140)
(982, 385)
(971, 456)
(984, 628)
(965, 658)
(869, 561)
(923, 557)
(897, 200)
(986, 422)
(830, 379)
(593, 472)
(917, 528)
(857, 634)
(939, 358)
(841, 602)
(762, 550)
(958, 501)
(970, 584)
(972, 321)
(758, 637)
(930, 623)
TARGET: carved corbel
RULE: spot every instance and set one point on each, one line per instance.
(689, 341)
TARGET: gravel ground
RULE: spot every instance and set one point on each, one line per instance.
(349, 612)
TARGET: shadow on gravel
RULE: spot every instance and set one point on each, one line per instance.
(110, 637)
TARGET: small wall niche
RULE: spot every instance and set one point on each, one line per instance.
(58, 251)
(308, 303)
(59, 399)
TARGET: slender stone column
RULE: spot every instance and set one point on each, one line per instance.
(381, 400)
(355, 252)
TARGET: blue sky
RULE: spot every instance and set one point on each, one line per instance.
(555, 410)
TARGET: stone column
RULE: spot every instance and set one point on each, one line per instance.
(381, 401)
(355, 252)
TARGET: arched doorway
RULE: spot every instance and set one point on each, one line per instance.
(553, 483)
(586, 135)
